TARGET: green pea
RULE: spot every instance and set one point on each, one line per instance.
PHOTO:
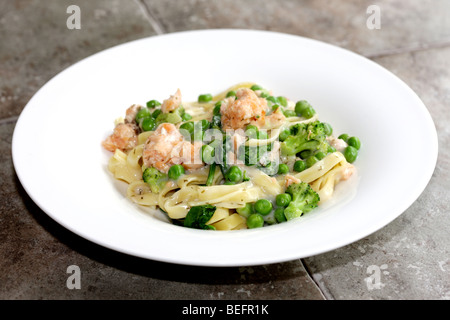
(350, 154)
(215, 143)
(198, 135)
(153, 104)
(141, 114)
(328, 129)
(186, 117)
(354, 142)
(284, 134)
(283, 101)
(207, 154)
(283, 199)
(320, 155)
(156, 113)
(270, 219)
(272, 99)
(188, 126)
(289, 113)
(308, 113)
(255, 220)
(216, 110)
(256, 87)
(176, 171)
(199, 129)
(299, 166)
(203, 124)
(148, 124)
(205, 98)
(311, 161)
(279, 215)
(251, 127)
(246, 211)
(305, 154)
(283, 168)
(234, 174)
(344, 137)
(251, 131)
(300, 106)
(263, 206)
(331, 149)
(262, 135)
(231, 93)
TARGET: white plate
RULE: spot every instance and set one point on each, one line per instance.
(59, 160)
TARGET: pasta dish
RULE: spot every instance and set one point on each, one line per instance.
(244, 158)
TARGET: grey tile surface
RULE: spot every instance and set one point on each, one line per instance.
(36, 252)
(36, 43)
(404, 25)
(408, 259)
(411, 255)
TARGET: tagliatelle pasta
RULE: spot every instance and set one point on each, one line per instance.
(244, 158)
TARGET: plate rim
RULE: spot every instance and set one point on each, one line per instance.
(388, 219)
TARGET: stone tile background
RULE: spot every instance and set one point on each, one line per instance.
(411, 255)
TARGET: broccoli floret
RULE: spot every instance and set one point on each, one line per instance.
(154, 178)
(305, 139)
(304, 199)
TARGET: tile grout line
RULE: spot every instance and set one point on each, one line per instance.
(404, 50)
(9, 120)
(322, 289)
(151, 18)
